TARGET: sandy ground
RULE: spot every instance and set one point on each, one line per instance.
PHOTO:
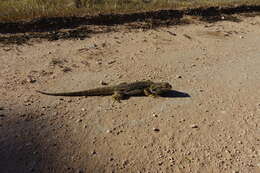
(214, 130)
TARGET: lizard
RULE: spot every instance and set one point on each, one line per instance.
(122, 90)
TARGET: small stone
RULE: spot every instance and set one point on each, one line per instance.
(222, 17)
(160, 163)
(241, 36)
(103, 83)
(79, 120)
(178, 76)
(156, 129)
(83, 109)
(111, 62)
(108, 131)
(30, 79)
(93, 152)
(111, 159)
(172, 33)
(239, 142)
(155, 115)
(125, 162)
(194, 126)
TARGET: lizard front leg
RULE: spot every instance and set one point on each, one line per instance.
(147, 92)
(118, 96)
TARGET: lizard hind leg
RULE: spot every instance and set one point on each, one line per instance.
(118, 96)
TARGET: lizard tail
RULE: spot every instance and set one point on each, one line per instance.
(77, 93)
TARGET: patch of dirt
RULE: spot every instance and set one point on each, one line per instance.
(210, 125)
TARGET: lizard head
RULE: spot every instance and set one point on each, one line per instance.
(160, 88)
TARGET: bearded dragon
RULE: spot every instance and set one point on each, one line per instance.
(122, 90)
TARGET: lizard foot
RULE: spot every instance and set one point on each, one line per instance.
(117, 96)
(148, 93)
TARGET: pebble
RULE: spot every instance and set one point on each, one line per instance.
(156, 129)
(108, 131)
(155, 115)
(30, 79)
(103, 83)
(79, 120)
(239, 142)
(194, 126)
(93, 152)
(111, 62)
(178, 76)
(83, 109)
(111, 159)
(125, 162)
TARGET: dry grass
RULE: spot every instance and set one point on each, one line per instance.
(16, 10)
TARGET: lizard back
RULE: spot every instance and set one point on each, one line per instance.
(103, 91)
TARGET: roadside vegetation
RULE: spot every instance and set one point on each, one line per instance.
(17, 10)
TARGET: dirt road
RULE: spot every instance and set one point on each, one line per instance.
(215, 129)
